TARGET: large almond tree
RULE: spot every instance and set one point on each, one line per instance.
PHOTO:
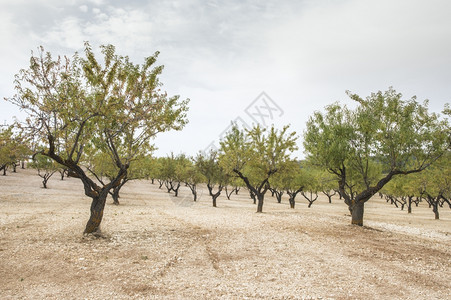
(365, 147)
(82, 104)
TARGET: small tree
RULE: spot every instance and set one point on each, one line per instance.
(46, 167)
(172, 171)
(435, 184)
(256, 155)
(13, 148)
(366, 147)
(291, 180)
(327, 184)
(215, 176)
(6, 148)
(232, 187)
(401, 190)
(192, 176)
(312, 185)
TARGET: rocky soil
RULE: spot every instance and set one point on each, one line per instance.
(156, 246)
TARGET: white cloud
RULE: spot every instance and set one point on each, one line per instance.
(83, 8)
(304, 54)
(97, 2)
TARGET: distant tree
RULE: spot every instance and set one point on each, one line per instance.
(14, 148)
(172, 171)
(255, 155)
(312, 185)
(289, 180)
(233, 187)
(213, 173)
(150, 167)
(6, 148)
(192, 176)
(365, 147)
(111, 105)
(45, 166)
(327, 184)
(435, 184)
(402, 191)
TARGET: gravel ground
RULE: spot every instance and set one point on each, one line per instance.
(156, 246)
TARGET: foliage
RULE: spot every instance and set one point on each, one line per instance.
(83, 105)
(435, 183)
(213, 173)
(255, 155)
(365, 147)
(13, 148)
(45, 166)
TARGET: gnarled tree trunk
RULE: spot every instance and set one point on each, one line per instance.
(97, 207)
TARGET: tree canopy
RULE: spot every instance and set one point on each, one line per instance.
(255, 155)
(84, 104)
(382, 137)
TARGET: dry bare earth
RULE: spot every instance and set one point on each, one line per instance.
(158, 246)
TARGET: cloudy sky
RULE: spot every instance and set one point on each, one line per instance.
(302, 54)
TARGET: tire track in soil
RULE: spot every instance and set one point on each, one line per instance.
(202, 237)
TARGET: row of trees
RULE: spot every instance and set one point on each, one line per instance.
(433, 185)
(14, 150)
(96, 120)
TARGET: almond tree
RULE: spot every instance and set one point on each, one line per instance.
(111, 105)
(192, 176)
(255, 155)
(291, 180)
(213, 174)
(327, 184)
(435, 184)
(45, 166)
(6, 148)
(14, 148)
(365, 147)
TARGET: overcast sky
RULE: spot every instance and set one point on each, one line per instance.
(303, 54)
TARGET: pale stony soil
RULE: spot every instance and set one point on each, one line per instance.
(156, 246)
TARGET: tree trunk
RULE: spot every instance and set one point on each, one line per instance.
(435, 209)
(228, 194)
(253, 196)
(279, 195)
(214, 200)
(115, 195)
(193, 189)
(310, 204)
(176, 189)
(292, 201)
(357, 213)
(97, 207)
(260, 203)
(409, 205)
